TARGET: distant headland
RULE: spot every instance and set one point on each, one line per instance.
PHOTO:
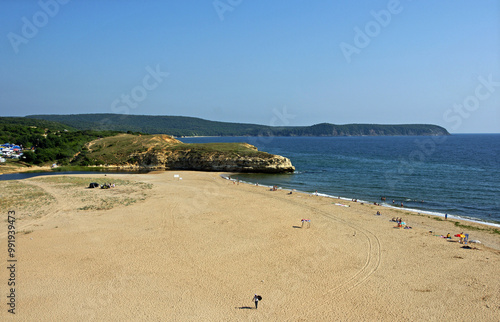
(180, 126)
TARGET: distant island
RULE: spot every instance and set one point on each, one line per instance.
(180, 126)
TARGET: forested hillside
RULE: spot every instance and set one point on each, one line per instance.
(45, 141)
(190, 126)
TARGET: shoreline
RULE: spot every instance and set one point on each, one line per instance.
(460, 224)
(135, 170)
(199, 247)
(415, 211)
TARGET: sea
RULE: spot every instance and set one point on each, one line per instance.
(458, 175)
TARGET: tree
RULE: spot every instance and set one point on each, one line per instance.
(28, 156)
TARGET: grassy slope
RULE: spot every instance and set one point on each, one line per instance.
(118, 149)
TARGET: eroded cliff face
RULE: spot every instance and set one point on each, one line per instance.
(156, 152)
(186, 160)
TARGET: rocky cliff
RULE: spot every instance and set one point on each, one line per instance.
(215, 161)
(164, 152)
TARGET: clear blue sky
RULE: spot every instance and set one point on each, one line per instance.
(292, 62)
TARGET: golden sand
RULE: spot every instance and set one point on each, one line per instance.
(198, 249)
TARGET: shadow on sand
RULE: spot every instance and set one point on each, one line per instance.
(296, 227)
(245, 308)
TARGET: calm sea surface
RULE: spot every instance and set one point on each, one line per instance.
(26, 175)
(458, 174)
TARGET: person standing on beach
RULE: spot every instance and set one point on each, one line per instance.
(256, 300)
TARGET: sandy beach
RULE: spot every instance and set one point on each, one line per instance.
(160, 248)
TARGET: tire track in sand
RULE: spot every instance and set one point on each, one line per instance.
(370, 266)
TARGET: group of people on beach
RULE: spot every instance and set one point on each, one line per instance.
(400, 223)
(462, 238)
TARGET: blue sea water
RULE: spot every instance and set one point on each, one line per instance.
(458, 174)
(26, 175)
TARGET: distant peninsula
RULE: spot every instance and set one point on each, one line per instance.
(180, 126)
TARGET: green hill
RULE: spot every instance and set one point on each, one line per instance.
(52, 141)
(190, 126)
(118, 149)
(47, 142)
(159, 151)
(27, 132)
(35, 122)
